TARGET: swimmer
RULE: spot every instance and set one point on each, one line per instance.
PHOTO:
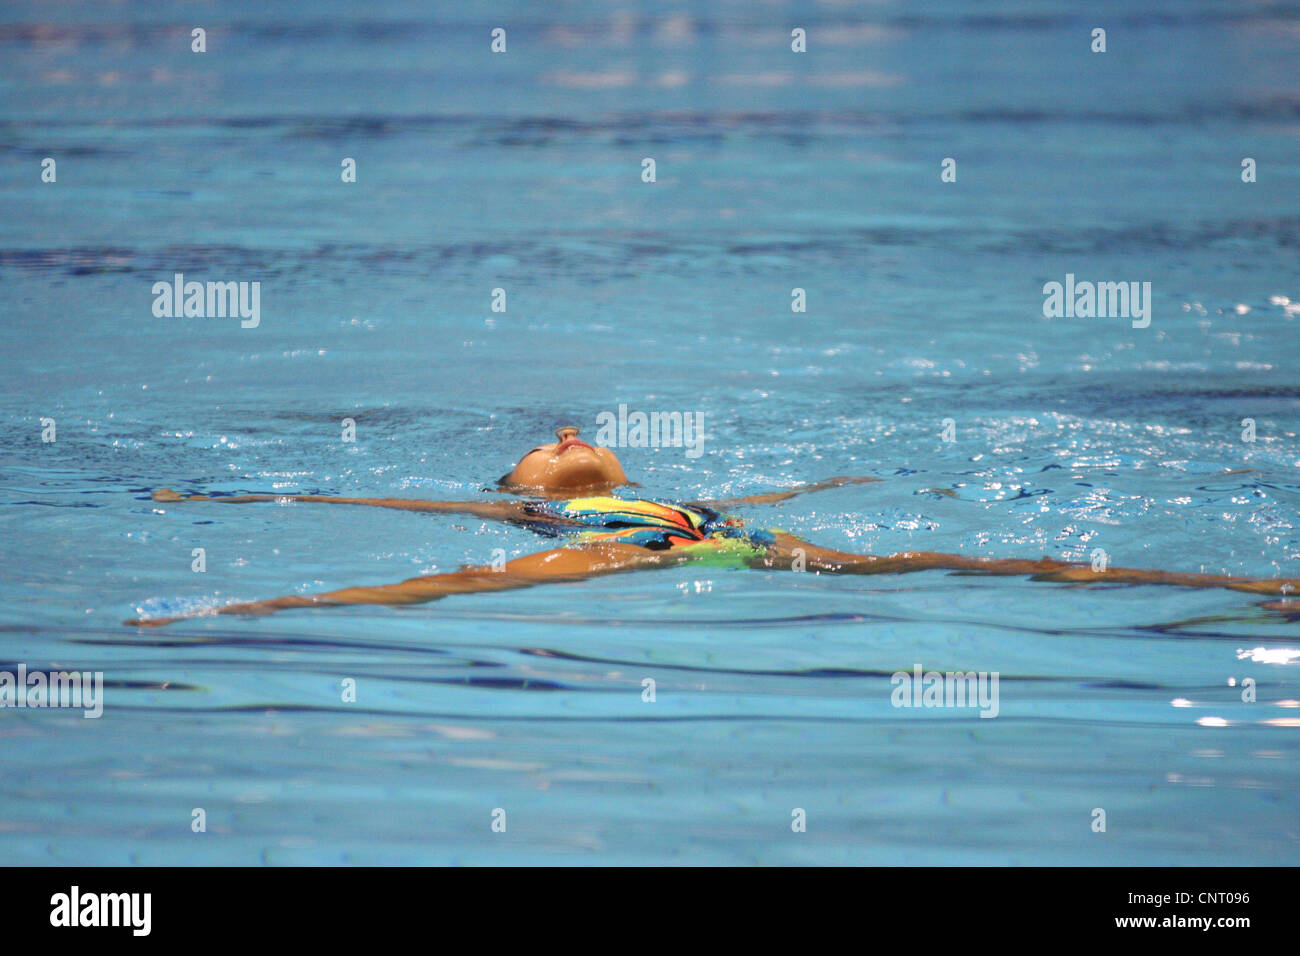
(564, 491)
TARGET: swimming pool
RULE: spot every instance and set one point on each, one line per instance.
(775, 171)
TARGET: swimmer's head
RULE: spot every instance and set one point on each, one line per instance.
(565, 466)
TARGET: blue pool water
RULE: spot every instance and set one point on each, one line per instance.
(775, 171)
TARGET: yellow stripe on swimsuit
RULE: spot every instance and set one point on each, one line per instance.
(648, 524)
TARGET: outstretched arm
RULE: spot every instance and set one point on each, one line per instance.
(772, 497)
(788, 551)
(500, 510)
(545, 567)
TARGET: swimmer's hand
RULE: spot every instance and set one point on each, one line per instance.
(168, 496)
(151, 621)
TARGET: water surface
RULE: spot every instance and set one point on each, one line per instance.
(775, 171)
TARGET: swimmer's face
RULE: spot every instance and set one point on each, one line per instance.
(566, 466)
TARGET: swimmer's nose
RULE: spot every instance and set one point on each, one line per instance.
(565, 432)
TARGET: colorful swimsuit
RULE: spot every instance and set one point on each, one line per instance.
(650, 524)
